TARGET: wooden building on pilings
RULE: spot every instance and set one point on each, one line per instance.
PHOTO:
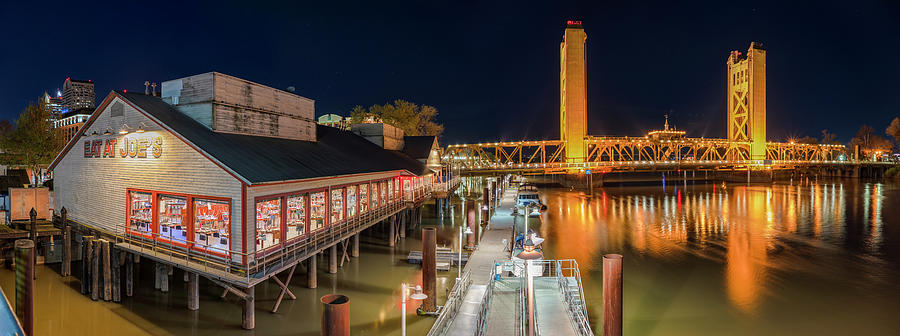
(230, 180)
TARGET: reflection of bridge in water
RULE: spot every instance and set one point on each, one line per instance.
(576, 151)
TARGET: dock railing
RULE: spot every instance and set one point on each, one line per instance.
(246, 269)
(482, 319)
(451, 308)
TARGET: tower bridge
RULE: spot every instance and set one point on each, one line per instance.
(745, 147)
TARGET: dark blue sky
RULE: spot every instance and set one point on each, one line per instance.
(491, 69)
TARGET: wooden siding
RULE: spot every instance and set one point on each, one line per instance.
(93, 189)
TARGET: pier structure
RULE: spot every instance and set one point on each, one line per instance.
(492, 295)
(231, 181)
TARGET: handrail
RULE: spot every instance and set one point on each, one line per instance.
(229, 265)
(481, 321)
(451, 307)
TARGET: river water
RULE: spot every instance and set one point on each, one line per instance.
(811, 258)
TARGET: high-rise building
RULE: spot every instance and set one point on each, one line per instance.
(77, 94)
(747, 99)
(573, 92)
(53, 104)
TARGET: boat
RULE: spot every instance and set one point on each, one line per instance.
(528, 199)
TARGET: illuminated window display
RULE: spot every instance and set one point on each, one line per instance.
(337, 206)
(172, 215)
(363, 198)
(268, 224)
(140, 220)
(351, 201)
(296, 216)
(317, 211)
(374, 195)
(212, 225)
(382, 188)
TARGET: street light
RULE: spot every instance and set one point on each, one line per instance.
(459, 261)
(416, 295)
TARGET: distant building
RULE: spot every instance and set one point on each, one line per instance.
(54, 105)
(666, 133)
(334, 120)
(70, 122)
(77, 94)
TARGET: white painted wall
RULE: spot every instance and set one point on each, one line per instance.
(93, 189)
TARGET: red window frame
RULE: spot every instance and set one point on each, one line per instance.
(306, 213)
(282, 215)
(189, 226)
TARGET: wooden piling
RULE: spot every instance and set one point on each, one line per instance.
(87, 250)
(248, 314)
(95, 270)
(429, 268)
(129, 274)
(612, 295)
(311, 280)
(67, 243)
(470, 221)
(34, 238)
(403, 224)
(107, 276)
(391, 233)
(193, 291)
(157, 280)
(25, 284)
(354, 250)
(164, 278)
(332, 259)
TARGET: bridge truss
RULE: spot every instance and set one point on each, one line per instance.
(631, 153)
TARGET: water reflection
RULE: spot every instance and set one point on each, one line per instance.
(761, 239)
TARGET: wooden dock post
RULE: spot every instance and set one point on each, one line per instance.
(129, 274)
(429, 268)
(87, 250)
(157, 280)
(332, 259)
(391, 232)
(470, 221)
(107, 277)
(25, 284)
(34, 238)
(116, 273)
(95, 270)
(164, 278)
(354, 250)
(193, 291)
(311, 281)
(403, 223)
(248, 314)
(67, 243)
(336, 315)
(612, 295)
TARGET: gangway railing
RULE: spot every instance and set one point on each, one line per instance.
(481, 321)
(451, 308)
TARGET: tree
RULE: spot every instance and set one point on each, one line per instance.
(808, 140)
(829, 138)
(409, 117)
(894, 129)
(869, 142)
(33, 142)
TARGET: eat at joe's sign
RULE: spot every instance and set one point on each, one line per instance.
(134, 148)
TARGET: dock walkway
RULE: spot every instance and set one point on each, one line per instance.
(480, 264)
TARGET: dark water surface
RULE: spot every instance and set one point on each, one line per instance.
(803, 259)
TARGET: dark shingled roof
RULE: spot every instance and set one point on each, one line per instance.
(418, 147)
(264, 159)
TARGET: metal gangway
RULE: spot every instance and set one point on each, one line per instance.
(537, 297)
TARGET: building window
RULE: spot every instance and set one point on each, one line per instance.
(382, 188)
(374, 195)
(296, 216)
(407, 189)
(268, 224)
(317, 211)
(390, 190)
(140, 217)
(363, 198)
(212, 225)
(172, 215)
(337, 205)
(397, 187)
(351, 201)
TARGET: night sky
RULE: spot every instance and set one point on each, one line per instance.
(490, 69)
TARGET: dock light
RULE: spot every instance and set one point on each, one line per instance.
(124, 129)
(417, 295)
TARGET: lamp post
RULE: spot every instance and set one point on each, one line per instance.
(459, 261)
(417, 295)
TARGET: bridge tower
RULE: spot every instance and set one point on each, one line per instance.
(573, 92)
(747, 99)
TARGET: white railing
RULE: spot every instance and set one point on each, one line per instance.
(454, 301)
